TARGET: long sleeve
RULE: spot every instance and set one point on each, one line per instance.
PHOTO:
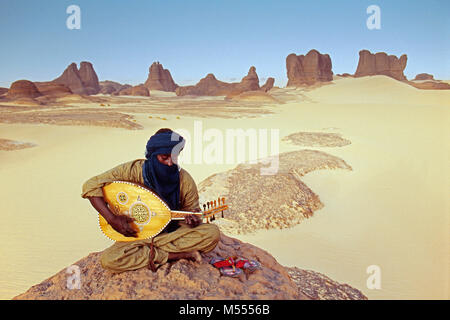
(132, 172)
(129, 171)
(188, 192)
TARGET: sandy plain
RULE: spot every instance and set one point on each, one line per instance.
(391, 209)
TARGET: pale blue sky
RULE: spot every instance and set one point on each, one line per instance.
(193, 38)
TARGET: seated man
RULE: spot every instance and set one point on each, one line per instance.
(161, 173)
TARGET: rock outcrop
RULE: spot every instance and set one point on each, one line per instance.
(52, 89)
(344, 75)
(82, 81)
(139, 90)
(3, 91)
(23, 89)
(111, 87)
(193, 280)
(430, 85)
(308, 70)
(210, 86)
(159, 78)
(268, 85)
(381, 64)
(248, 213)
(250, 82)
(424, 76)
(125, 88)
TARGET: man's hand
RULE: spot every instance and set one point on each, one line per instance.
(123, 225)
(192, 220)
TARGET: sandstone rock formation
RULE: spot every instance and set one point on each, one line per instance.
(247, 212)
(319, 287)
(424, 76)
(3, 91)
(210, 86)
(430, 85)
(184, 279)
(381, 64)
(159, 79)
(139, 90)
(126, 88)
(268, 85)
(111, 87)
(316, 139)
(82, 81)
(23, 89)
(52, 89)
(250, 82)
(344, 75)
(308, 70)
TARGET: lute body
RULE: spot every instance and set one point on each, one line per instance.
(150, 213)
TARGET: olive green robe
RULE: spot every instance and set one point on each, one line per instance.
(124, 256)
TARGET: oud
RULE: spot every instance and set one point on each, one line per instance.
(149, 212)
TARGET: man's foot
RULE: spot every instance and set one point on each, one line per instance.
(193, 256)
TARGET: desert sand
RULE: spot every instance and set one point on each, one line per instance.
(390, 210)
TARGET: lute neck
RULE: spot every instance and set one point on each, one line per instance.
(179, 215)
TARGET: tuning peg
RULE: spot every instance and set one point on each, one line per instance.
(223, 201)
(204, 207)
(208, 204)
(215, 205)
(218, 201)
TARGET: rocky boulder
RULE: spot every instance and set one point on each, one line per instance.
(139, 90)
(52, 89)
(430, 85)
(82, 81)
(210, 86)
(23, 89)
(110, 87)
(344, 75)
(159, 78)
(188, 280)
(381, 64)
(424, 76)
(308, 70)
(126, 89)
(250, 82)
(268, 85)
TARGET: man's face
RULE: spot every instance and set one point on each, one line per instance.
(165, 159)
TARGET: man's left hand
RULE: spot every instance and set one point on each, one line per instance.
(192, 220)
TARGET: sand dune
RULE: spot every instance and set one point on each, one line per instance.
(390, 210)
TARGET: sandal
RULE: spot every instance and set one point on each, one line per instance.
(219, 262)
(250, 265)
(231, 271)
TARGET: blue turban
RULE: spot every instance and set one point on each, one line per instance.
(161, 178)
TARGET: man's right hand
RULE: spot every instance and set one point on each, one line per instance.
(123, 225)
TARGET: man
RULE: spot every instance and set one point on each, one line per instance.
(161, 173)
